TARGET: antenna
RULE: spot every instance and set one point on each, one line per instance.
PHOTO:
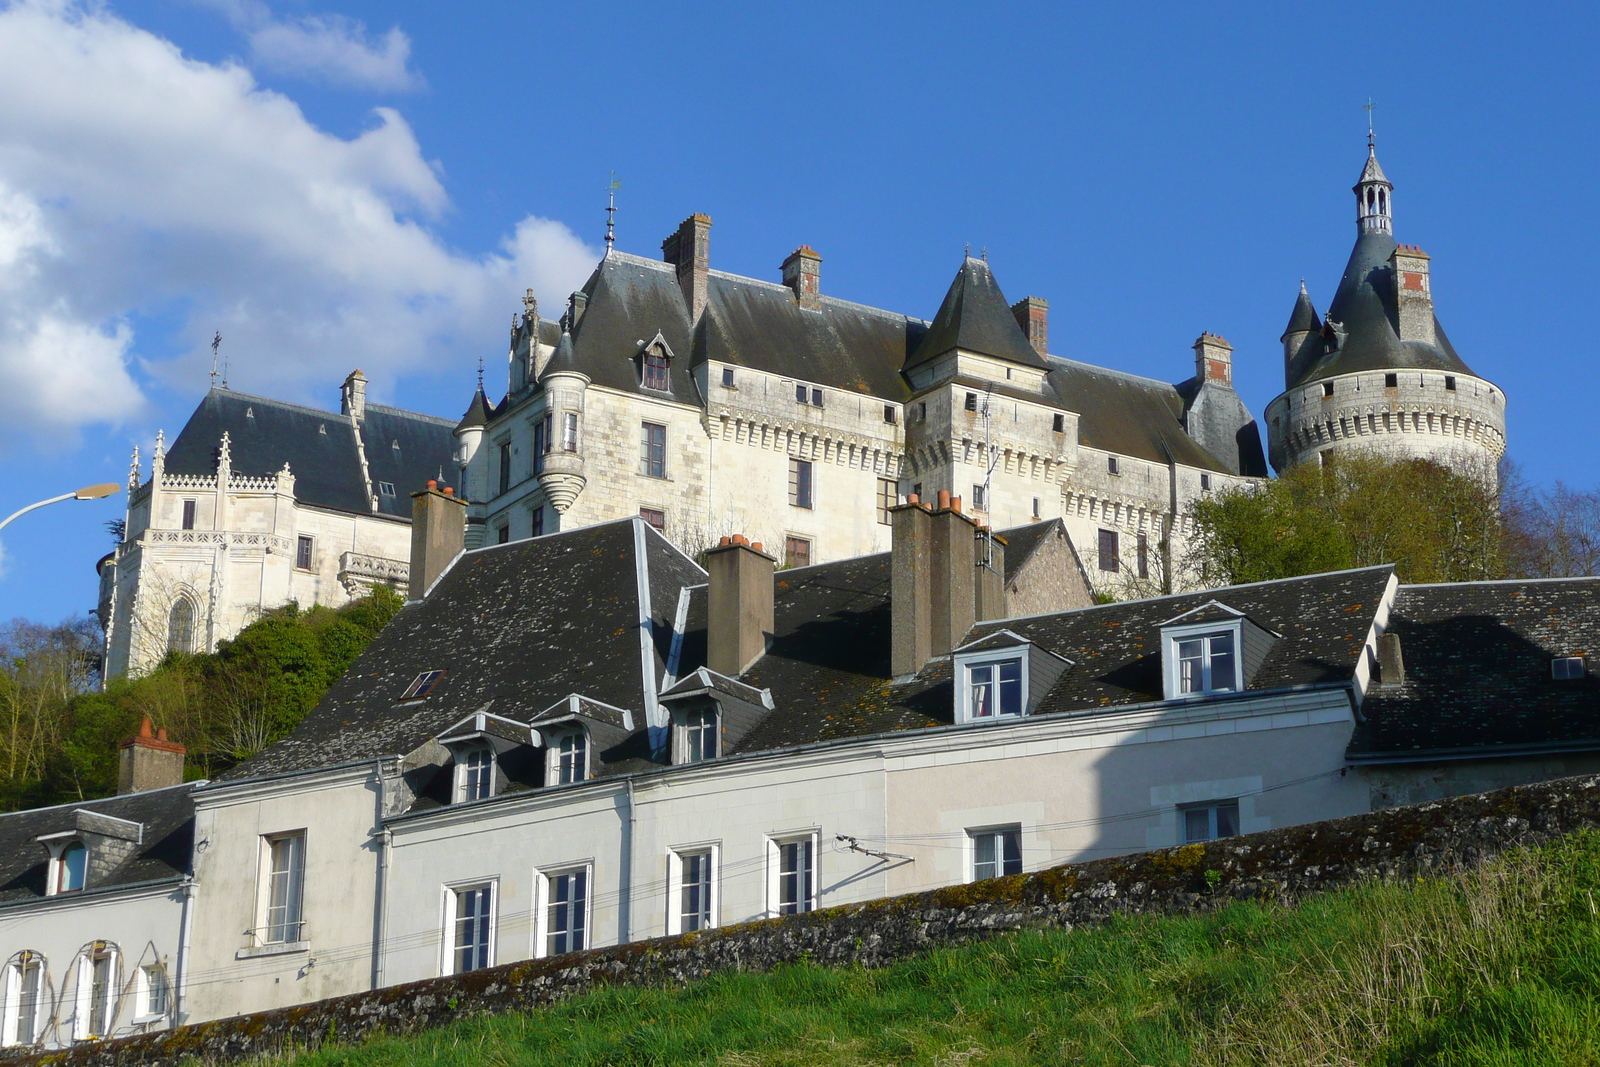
(611, 212)
(989, 463)
(1371, 142)
(216, 343)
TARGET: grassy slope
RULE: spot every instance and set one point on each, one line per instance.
(1499, 966)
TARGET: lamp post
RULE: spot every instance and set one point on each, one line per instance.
(88, 492)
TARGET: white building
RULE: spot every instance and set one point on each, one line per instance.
(259, 503)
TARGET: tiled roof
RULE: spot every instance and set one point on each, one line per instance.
(1477, 671)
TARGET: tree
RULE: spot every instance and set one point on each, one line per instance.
(1551, 533)
(1434, 523)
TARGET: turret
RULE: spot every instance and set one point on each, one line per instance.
(1303, 325)
(1374, 196)
(563, 475)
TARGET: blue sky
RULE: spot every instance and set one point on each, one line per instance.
(373, 185)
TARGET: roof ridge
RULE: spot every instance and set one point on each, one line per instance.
(1113, 371)
(408, 413)
(546, 537)
(1499, 581)
(101, 800)
(854, 305)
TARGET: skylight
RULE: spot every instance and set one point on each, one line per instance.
(423, 684)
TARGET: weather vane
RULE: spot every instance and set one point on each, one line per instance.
(480, 374)
(611, 212)
(1368, 109)
(216, 345)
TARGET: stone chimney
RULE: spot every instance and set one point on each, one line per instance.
(690, 251)
(802, 272)
(989, 590)
(954, 573)
(438, 535)
(910, 587)
(353, 395)
(148, 761)
(1413, 295)
(1391, 665)
(1033, 315)
(738, 605)
(1213, 360)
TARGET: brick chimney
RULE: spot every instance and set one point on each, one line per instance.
(438, 535)
(1213, 360)
(738, 605)
(954, 571)
(148, 761)
(1033, 315)
(1413, 293)
(690, 251)
(802, 272)
(353, 395)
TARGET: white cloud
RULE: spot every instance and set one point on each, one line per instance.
(134, 180)
(327, 48)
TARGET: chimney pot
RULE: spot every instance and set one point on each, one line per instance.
(161, 734)
(448, 491)
(144, 726)
(725, 541)
(944, 499)
(147, 760)
(757, 546)
(911, 498)
(955, 502)
(432, 484)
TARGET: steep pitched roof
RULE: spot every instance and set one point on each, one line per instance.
(477, 414)
(1477, 672)
(1127, 414)
(167, 816)
(515, 627)
(1303, 318)
(975, 317)
(318, 446)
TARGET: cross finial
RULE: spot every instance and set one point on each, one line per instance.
(216, 343)
(611, 211)
(1371, 142)
(480, 374)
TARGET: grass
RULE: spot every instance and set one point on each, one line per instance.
(1499, 966)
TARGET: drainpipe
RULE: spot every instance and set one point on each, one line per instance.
(381, 905)
(625, 894)
(186, 924)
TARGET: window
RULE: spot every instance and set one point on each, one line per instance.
(572, 758)
(541, 443)
(569, 432)
(473, 928)
(71, 866)
(1567, 668)
(1036, 509)
(474, 773)
(916, 490)
(994, 688)
(1450, 382)
(1058, 423)
(286, 874)
(996, 853)
(302, 553)
(796, 875)
(155, 994)
(102, 985)
(1110, 554)
(655, 517)
(800, 483)
(980, 502)
(566, 912)
(699, 736)
(1207, 822)
(816, 397)
(188, 514)
(537, 518)
(888, 496)
(971, 403)
(922, 411)
(1207, 664)
(1112, 466)
(387, 488)
(653, 450)
(888, 414)
(422, 685)
(727, 377)
(655, 369)
(1391, 381)
(796, 552)
(801, 393)
(502, 533)
(1144, 556)
(180, 626)
(1205, 483)
(694, 892)
(1327, 388)
(26, 980)
(505, 467)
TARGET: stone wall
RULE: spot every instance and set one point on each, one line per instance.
(1277, 865)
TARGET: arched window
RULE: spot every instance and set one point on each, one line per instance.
(70, 867)
(180, 626)
(24, 993)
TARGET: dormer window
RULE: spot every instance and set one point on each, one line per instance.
(1000, 675)
(1207, 663)
(995, 688)
(474, 773)
(655, 369)
(699, 736)
(68, 868)
(569, 758)
(421, 686)
(1211, 649)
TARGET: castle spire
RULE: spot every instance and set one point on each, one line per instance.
(1374, 193)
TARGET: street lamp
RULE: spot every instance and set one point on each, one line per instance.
(88, 492)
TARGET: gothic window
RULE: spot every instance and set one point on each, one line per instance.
(655, 369)
(180, 626)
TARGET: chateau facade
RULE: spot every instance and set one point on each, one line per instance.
(1378, 375)
(711, 403)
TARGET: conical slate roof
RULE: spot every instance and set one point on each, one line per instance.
(976, 317)
(1304, 317)
(477, 415)
(1372, 172)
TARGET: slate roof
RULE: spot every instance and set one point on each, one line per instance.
(168, 818)
(1477, 672)
(1364, 307)
(975, 316)
(1129, 415)
(319, 447)
(515, 627)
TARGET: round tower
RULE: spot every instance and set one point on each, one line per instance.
(562, 474)
(1377, 374)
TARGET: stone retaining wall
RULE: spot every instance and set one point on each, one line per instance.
(1277, 865)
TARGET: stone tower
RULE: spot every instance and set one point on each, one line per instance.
(1378, 374)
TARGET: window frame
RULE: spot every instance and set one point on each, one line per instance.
(1171, 667)
(152, 977)
(569, 432)
(802, 484)
(697, 724)
(652, 454)
(305, 548)
(776, 843)
(1108, 563)
(990, 659)
(17, 999)
(96, 994)
(789, 555)
(473, 780)
(294, 916)
(727, 378)
(559, 766)
(655, 370)
(455, 893)
(888, 497)
(545, 879)
(1561, 668)
(1000, 837)
(187, 519)
(1213, 810)
(422, 685)
(503, 457)
(678, 884)
(58, 868)
(186, 602)
(645, 513)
